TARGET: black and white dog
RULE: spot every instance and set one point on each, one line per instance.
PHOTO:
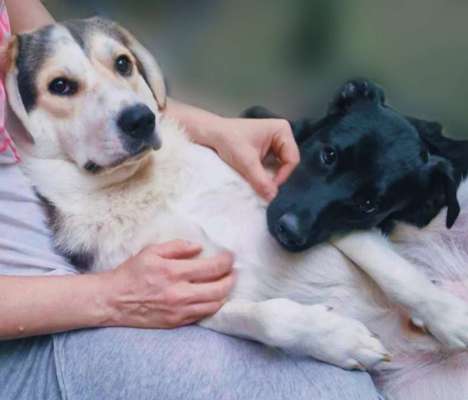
(92, 101)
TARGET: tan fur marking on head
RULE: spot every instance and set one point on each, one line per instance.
(148, 68)
(103, 53)
(61, 107)
(9, 51)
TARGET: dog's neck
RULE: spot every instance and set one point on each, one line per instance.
(69, 180)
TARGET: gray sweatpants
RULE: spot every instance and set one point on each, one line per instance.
(122, 363)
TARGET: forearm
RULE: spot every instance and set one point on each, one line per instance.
(40, 305)
(201, 125)
(26, 15)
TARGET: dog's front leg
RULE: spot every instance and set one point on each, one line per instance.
(313, 330)
(444, 315)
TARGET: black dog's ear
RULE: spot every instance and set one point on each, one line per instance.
(354, 91)
(441, 191)
(442, 179)
(456, 151)
(301, 128)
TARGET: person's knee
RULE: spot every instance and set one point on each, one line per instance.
(332, 383)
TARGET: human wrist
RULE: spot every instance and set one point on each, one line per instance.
(106, 301)
(203, 127)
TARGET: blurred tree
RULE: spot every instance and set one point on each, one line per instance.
(314, 34)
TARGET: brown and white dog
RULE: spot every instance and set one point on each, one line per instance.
(92, 101)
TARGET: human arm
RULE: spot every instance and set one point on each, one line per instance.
(26, 15)
(161, 287)
(242, 143)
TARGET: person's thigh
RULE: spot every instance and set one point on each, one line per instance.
(193, 363)
(27, 370)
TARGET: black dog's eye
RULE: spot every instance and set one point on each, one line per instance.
(123, 65)
(63, 87)
(367, 206)
(328, 155)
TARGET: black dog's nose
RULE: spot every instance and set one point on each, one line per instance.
(289, 230)
(137, 121)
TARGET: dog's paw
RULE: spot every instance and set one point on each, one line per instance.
(445, 317)
(346, 343)
(352, 91)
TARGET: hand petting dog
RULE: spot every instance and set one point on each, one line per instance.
(243, 144)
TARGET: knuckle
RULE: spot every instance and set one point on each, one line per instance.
(294, 159)
(178, 243)
(222, 264)
(264, 187)
(173, 319)
(147, 258)
(219, 292)
(218, 266)
(171, 298)
(227, 259)
(285, 126)
(214, 307)
(230, 281)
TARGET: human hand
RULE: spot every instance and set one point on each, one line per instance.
(244, 144)
(163, 286)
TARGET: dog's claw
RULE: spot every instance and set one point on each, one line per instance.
(445, 317)
(387, 357)
(359, 366)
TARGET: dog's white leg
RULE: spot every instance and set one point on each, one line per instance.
(314, 330)
(443, 314)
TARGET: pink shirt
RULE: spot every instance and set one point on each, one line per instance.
(8, 153)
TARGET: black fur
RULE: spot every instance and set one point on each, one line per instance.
(388, 168)
(77, 29)
(33, 49)
(82, 261)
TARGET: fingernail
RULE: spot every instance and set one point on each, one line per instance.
(271, 194)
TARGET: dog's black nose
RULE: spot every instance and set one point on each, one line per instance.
(289, 232)
(137, 121)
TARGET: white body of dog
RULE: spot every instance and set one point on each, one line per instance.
(324, 302)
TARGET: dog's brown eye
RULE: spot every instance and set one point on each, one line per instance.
(328, 155)
(63, 87)
(123, 65)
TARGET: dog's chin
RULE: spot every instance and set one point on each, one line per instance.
(128, 160)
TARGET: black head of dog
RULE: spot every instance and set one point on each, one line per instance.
(364, 165)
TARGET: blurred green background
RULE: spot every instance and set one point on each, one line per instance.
(290, 55)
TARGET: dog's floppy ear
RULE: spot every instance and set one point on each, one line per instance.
(148, 68)
(443, 185)
(441, 191)
(301, 128)
(456, 151)
(9, 51)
